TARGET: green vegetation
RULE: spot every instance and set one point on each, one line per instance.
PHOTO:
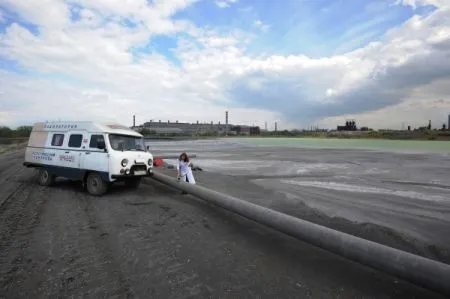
(19, 132)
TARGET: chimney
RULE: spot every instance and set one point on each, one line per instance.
(134, 121)
(226, 122)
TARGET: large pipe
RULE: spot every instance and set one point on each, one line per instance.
(172, 156)
(416, 269)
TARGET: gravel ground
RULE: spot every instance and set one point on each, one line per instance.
(59, 242)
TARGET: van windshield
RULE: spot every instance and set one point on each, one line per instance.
(126, 143)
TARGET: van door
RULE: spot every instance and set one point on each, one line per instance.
(95, 155)
(70, 158)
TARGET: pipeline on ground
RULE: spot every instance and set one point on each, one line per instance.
(419, 270)
(172, 156)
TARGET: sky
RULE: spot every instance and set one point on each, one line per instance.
(300, 63)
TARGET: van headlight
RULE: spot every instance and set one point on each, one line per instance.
(124, 162)
(150, 162)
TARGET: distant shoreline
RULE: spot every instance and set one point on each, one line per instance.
(366, 137)
(432, 136)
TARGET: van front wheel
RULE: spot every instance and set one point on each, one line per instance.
(95, 184)
(45, 177)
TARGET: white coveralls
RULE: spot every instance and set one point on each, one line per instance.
(185, 171)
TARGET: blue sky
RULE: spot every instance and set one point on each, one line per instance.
(315, 28)
(298, 62)
(312, 27)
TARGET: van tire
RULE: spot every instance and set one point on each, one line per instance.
(133, 183)
(45, 177)
(95, 184)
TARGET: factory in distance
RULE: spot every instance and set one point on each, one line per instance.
(226, 129)
(198, 128)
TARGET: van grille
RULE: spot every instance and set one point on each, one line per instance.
(138, 168)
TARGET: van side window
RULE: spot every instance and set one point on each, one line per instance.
(95, 139)
(75, 140)
(57, 139)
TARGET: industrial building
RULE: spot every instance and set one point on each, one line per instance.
(183, 127)
(350, 125)
(168, 127)
(245, 130)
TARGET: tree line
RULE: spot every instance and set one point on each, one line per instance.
(22, 131)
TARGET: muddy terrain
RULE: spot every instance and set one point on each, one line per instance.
(153, 242)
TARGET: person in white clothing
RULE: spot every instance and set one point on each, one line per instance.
(184, 171)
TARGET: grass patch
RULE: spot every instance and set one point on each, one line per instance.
(6, 148)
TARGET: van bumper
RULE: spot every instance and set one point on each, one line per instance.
(127, 176)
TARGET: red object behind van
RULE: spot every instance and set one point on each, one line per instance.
(158, 162)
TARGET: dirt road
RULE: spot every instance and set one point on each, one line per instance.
(59, 242)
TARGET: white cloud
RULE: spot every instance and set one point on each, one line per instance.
(259, 24)
(47, 13)
(225, 3)
(89, 71)
(416, 3)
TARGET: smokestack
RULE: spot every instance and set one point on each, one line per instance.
(134, 121)
(276, 127)
(226, 122)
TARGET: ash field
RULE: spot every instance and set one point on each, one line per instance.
(154, 242)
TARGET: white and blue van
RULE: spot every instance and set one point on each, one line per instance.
(94, 153)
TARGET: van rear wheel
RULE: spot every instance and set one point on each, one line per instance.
(95, 184)
(45, 177)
